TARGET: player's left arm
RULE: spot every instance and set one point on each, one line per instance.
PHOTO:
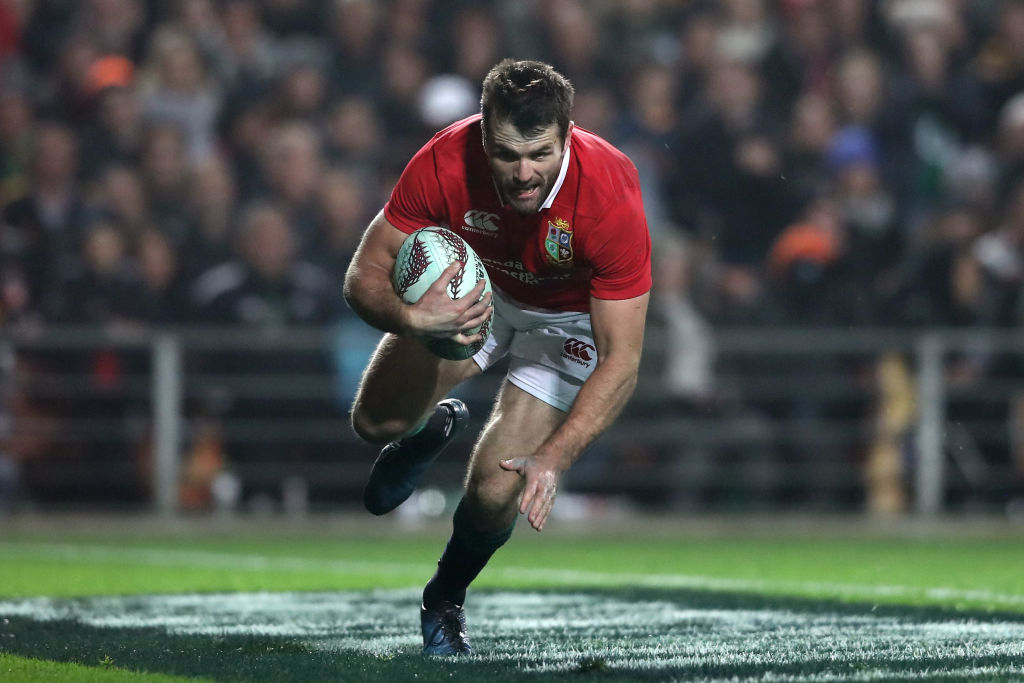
(618, 327)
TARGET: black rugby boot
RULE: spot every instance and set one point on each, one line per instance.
(402, 463)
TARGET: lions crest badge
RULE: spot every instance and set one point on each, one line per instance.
(558, 242)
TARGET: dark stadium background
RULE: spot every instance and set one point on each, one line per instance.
(835, 192)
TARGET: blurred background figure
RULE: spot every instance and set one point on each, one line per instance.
(265, 284)
(265, 290)
(45, 221)
(212, 209)
(875, 241)
(177, 90)
(1010, 148)
(98, 288)
(117, 128)
(292, 165)
(119, 194)
(164, 169)
(354, 137)
(689, 371)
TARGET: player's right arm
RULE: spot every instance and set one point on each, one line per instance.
(369, 292)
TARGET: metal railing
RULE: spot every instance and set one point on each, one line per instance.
(799, 416)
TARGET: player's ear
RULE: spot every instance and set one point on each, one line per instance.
(568, 136)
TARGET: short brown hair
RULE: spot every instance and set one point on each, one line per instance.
(530, 95)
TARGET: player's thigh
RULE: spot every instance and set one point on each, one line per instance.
(518, 425)
(401, 384)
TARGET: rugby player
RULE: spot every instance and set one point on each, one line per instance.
(556, 215)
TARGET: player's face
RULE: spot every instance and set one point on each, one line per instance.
(525, 165)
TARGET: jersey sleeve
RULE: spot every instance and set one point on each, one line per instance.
(620, 253)
(417, 201)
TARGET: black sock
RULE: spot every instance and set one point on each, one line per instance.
(466, 554)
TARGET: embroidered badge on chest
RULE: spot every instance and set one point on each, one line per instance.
(558, 242)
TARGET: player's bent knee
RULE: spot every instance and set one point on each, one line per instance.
(374, 430)
(495, 490)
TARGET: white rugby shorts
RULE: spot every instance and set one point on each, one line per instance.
(551, 352)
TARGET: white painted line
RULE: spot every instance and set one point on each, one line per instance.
(554, 632)
(171, 557)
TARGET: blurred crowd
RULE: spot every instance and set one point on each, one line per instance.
(810, 162)
(804, 162)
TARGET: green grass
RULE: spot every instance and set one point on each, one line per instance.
(25, 670)
(946, 571)
(657, 601)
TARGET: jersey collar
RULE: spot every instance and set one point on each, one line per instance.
(558, 183)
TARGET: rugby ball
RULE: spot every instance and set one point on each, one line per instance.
(426, 254)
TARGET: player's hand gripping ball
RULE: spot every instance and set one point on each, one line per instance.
(426, 254)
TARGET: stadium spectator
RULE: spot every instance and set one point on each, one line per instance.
(874, 239)
(213, 202)
(405, 70)
(937, 110)
(595, 109)
(245, 59)
(100, 285)
(734, 137)
(812, 125)
(572, 38)
(16, 134)
(689, 369)
(747, 32)
(355, 37)
(177, 90)
(199, 18)
(407, 23)
(302, 89)
(698, 53)
(476, 41)
(855, 23)
(342, 214)
(47, 219)
(944, 286)
(100, 288)
(646, 131)
(353, 135)
(119, 195)
(292, 18)
(998, 62)
(1000, 253)
(67, 91)
(1010, 144)
(162, 295)
(116, 132)
(861, 90)
(292, 167)
(164, 169)
(266, 285)
(809, 270)
(973, 179)
(115, 26)
(266, 290)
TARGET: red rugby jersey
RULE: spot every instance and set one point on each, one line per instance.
(591, 240)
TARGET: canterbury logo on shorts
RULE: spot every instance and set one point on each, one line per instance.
(578, 351)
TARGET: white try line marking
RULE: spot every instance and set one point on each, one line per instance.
(170, 557)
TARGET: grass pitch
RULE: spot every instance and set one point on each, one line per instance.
(647, 602)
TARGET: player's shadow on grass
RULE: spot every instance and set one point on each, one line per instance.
(305, 658)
